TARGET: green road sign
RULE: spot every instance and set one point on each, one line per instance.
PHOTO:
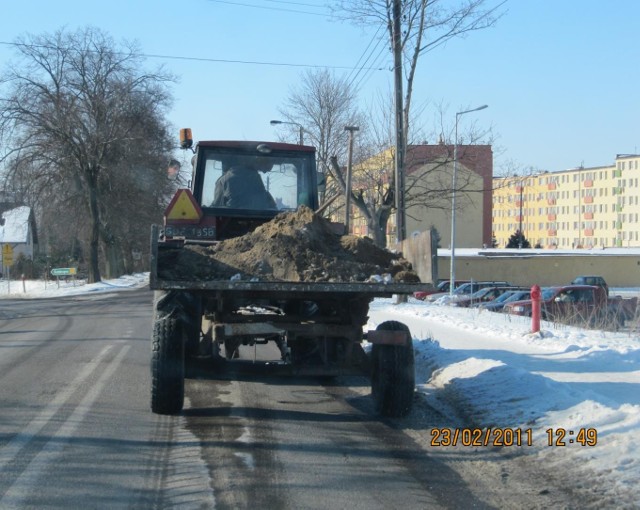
(63, 271)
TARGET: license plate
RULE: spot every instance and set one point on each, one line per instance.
(190, 232)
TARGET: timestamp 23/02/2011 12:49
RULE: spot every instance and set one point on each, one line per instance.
(511, 437)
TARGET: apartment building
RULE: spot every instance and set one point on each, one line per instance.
(576, 208)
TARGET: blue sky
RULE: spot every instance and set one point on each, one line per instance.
(561, 77)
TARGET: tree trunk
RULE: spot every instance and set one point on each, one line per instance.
(377, 231)
(113, 260)
(94, 240)
(113, 254)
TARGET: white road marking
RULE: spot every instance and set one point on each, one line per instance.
(13, 447)
(27, 482)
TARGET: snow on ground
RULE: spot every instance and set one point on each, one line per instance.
(30, 289)
(502, 376)
(562, 379)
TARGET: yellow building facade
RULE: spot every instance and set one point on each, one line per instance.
(429, 170)
(580, 207)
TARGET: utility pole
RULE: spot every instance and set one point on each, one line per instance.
(401, 229)
(347, 193)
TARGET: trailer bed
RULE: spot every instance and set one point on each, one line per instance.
(291, 288)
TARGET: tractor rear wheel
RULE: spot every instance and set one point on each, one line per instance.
(167, 367)
(393, 374)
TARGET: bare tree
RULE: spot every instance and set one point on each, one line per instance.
(323, 104)
(372, 193)
(82, 126)
(415, 27)
(425, 25)
(374, 186)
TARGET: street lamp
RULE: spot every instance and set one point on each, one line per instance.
(520, 217)
(452, 269)
(301, 129)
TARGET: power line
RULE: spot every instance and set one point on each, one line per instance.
(376, 60)
(351, 78)
(272, 8)
(204, 59)
(379, 58)
(361, 56)
(293, 3)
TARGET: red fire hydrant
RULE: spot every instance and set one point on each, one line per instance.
(535, 308)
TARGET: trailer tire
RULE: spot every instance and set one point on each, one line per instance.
(393, 374)
(193, 326)
(167, 367)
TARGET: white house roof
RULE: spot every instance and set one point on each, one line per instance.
(16, 225)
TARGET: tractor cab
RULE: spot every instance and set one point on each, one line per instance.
(238, 185)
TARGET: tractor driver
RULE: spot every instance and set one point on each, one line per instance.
(241, 186)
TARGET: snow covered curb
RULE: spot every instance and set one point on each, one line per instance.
(549, 386)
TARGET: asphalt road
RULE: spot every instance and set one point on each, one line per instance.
(76, 430)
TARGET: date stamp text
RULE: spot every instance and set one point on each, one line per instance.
(503, 436)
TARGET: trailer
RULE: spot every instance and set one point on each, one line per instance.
(204, 315)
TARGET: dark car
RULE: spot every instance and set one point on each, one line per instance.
(509, 296)
(467, 289)
(598, 281)
(486, 295)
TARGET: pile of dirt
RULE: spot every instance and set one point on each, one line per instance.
(295, 246)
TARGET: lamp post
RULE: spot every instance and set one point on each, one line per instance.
(520, 183)
(520, 217)
(300, 128)
(452, 269)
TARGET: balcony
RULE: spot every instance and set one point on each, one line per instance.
(588, 183)
(588, 232)
(551, 217)
(588, 200)
(551, 186)
(552, 233)
(588, 216)
(551, 201)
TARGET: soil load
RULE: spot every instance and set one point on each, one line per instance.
(295, 246)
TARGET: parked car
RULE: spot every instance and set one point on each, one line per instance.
(466, 289)
(579, 304)
(485, 295)
(442, 287)
(591, 280)
(509, 296)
